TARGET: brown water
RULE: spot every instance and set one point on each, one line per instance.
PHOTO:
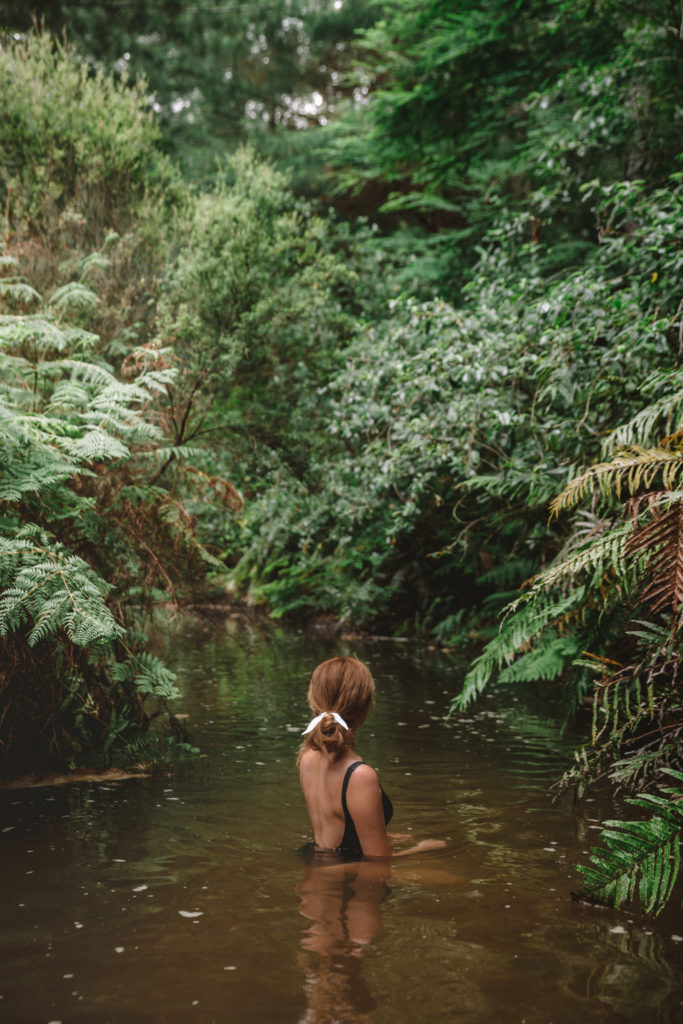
(158, 900)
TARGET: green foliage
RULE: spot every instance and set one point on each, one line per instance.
(593, 600)
(74, 442)
(86, 194)
(449, 430)
(249, 305)
(474, 110)
(216, 73)
(69, 127)
(642, 858)
(395, 407)
(51, 591)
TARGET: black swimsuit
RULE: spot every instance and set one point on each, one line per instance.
(350, 847)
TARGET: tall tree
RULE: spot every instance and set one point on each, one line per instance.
(213, 70)
(474, 106)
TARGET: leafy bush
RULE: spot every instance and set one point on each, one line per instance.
(250, 310)
(449, 430)
(81, 172)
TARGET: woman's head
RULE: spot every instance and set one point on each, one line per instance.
(344, 685)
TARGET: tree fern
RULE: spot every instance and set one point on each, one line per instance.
(69, 662)
(628, 571)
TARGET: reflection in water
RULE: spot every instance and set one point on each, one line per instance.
(93, 879)
(343, 904)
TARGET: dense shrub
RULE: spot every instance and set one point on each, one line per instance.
(451, 430)
(80, 171)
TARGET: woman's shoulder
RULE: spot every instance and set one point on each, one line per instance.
(363, 778)
(310, 759)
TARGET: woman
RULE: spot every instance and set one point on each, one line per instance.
(348, 808)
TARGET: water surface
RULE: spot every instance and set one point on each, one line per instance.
(187, 899)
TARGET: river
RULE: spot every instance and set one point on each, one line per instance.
(187, 899)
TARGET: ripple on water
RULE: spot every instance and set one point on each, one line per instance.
(156, 899)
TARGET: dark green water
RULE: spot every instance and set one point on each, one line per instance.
(159, 900)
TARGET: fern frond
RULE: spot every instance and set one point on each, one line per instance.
(661, 540)
(632, 470)
(74, 297)
(89, 373)
(526, 620)
(640, 856)
(18, 293)
(78, 339)
(68, 394)
(157, 380)
(119, 394)
(643, 766)
(179, 452)
(149, 676)
(97, 446)
(547, 661)
(33, 475)
(54, 590)
(38, 331)
(605, 554)
(658, 418)
(124, 423)
(95, 261)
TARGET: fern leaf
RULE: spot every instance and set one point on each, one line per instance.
(53, 590)
(642, 856)
(68, 394)
(604, 554)
(74, 297)
(516, 635)
(662, 540)
(40, 332)
(95, 261)
(89, 373)
(32, 475)
(18, 293)
(660, 417)
(630, 471)
(97, 445)
(547, 661)
(148, 675)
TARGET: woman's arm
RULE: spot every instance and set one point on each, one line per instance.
(422, 847)
(364, 801)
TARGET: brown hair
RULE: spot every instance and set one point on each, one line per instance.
(344, 685)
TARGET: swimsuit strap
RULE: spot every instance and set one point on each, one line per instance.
(349, 772)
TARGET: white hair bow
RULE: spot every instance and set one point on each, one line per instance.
(318, 718)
